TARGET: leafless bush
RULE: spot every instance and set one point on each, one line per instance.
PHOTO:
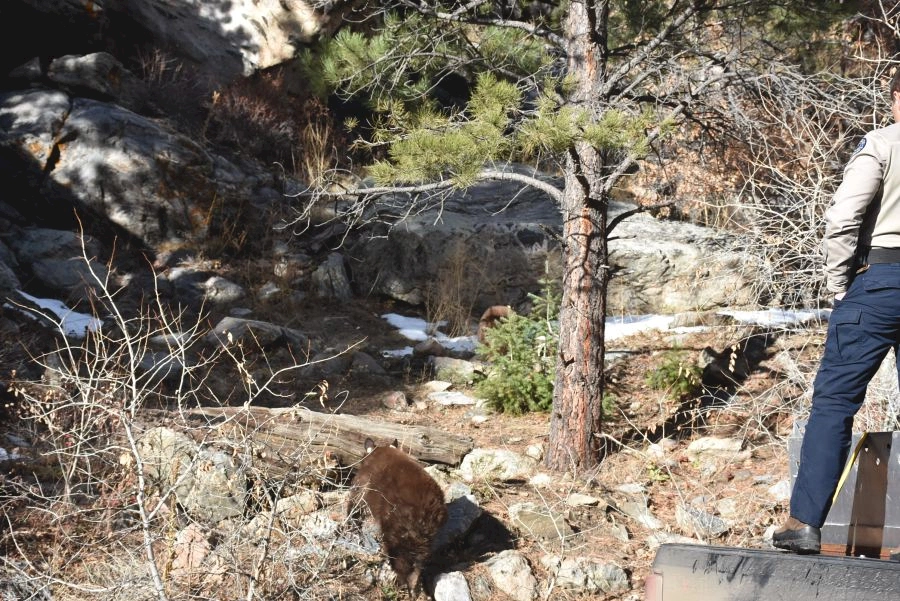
(452, 295)
(97, 515)
(320, 145)
(172, 89)
(261, 117)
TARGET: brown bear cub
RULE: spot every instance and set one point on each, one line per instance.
(406, 504)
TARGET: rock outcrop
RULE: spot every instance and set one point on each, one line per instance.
(499, 240)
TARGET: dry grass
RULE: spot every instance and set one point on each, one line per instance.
(81, 514)
(260, 117)
(454, 291)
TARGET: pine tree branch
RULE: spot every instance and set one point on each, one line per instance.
(549, 189)
(459, 16)
(484, 175)
(644, 53)
(629, 161)
(639, 209)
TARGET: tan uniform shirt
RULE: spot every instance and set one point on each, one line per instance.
(866, 208)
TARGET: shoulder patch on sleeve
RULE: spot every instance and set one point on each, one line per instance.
(860, 146)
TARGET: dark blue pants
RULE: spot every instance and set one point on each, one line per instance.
(863, 327)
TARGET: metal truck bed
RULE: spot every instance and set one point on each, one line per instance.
(683, 572)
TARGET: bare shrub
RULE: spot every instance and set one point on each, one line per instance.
(259, 116)
(255, 116)
(96, 514)
(451, 296)
(319, 145)
(172, 90)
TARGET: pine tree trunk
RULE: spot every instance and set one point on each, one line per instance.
(576, 420)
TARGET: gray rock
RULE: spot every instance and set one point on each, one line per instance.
(540, 522)
(41, 243)
(583, 500)
(73, 278)
(451, 587)
(495, 464)
(729, 508)
(584, 575)
(33, 131)
(640, 513)
(253, 334)
(17, 584)
(245, 36)
(98, 75)
(141, 174)
(60, 260)
(395, 400)
(8, 282)
(205, 481)
(219, 291)
(117, 162)
(535, 451)
(328, 362)
(157, 367)
(693, 520)
(780, 491)
(217, 489)
(509, 231)
(456, 371)
(319, 525)
(462, 513)
(330, 279)
(511, 574)
(716, 448)
(366, 363)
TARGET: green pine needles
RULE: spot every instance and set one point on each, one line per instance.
(521, 351)
(514, 113)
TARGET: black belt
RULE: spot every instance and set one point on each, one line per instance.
(882, 255)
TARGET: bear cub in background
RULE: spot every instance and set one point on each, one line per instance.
(406, 504)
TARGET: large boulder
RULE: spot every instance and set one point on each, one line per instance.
(151, 181)
(143, 176)
(668, 267)
(495, 241)
(224, 40)
(219, 41)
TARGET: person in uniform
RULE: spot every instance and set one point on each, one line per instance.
(862, 269)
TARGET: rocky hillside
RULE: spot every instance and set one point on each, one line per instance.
(192, 435)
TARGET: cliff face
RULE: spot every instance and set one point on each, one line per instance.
(221, 40)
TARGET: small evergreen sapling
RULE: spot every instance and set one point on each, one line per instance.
(521, 351)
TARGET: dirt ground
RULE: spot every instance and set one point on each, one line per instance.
(641, 420)
(759, 412)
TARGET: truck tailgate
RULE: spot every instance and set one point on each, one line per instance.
(683, 572)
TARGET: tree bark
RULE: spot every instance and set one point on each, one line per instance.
(576, 420)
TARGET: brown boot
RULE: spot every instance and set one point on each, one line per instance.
(797, 537)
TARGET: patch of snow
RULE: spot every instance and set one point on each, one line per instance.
(70, 322)
(618, 327)
(400, 352)
(418, 329)
(778, 317)
(7, 456)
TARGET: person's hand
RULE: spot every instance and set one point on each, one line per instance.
(838, 296)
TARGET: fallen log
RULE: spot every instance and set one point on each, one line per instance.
(288, 437)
